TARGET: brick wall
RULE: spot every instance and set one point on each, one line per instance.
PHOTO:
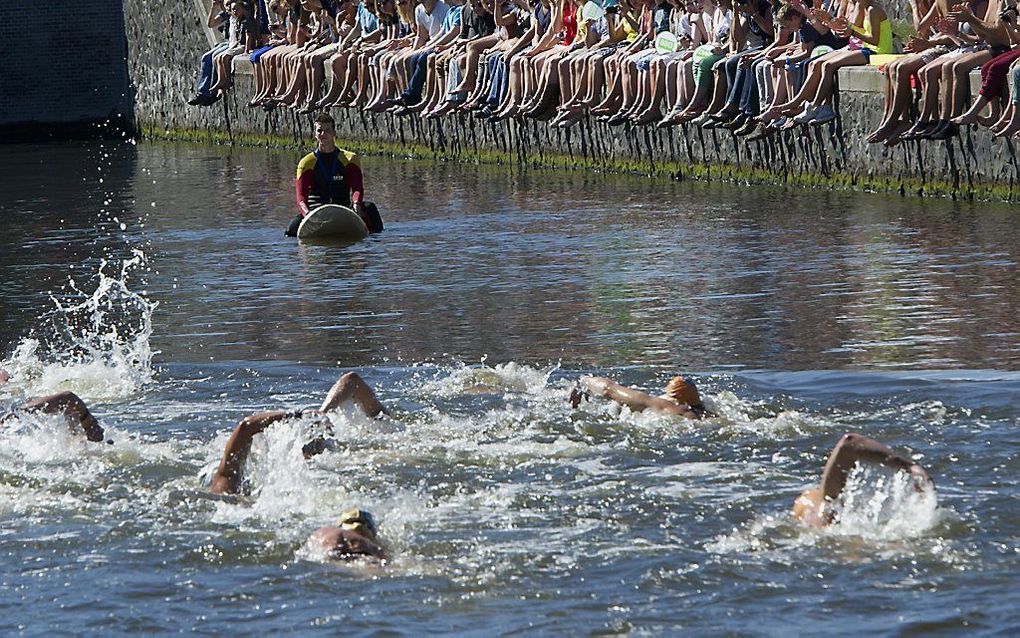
(63, 62)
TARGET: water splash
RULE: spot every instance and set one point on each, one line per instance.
(93, 343)
(881, 514)
(884, 505)
(504, 377)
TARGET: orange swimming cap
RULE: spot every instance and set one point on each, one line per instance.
(683, 391)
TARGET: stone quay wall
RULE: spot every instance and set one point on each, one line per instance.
(63, 66)
(165, 42)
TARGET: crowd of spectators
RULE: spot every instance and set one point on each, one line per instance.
(753, 67)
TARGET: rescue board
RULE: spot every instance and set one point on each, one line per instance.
(332, 222)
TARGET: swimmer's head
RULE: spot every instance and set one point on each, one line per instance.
(359, 521)
(317, 446)
(683, 391)
(5, 376)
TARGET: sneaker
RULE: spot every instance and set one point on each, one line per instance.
(760, 132)
(785, 124)
(701, 120)
(750, 126)
(570, 120)
(823, 115)
(807, 114)
(736, 123)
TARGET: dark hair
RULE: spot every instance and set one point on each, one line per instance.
(325, 118)
(786, 11)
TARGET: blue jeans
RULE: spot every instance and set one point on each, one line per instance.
(750, 99)
(500, 72)
(736, 76)
(206, 72)
(420, 63)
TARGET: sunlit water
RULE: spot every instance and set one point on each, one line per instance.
(155, 282)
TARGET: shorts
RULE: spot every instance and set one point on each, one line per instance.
(643, 59)
(935, 52)
(974, 48)
(258, 53)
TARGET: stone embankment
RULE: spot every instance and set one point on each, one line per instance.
(165, 42)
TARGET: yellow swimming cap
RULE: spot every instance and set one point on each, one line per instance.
(359, 521)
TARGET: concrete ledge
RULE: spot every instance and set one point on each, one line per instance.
(869, 79)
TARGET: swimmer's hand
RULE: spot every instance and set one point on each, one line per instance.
(577, 394)
(922, 481)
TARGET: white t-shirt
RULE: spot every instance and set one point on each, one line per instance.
(431, 24)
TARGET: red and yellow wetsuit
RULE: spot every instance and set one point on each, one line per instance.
(328, 178)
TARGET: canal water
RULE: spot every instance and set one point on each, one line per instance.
(155, 281)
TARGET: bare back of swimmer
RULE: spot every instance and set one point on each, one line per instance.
(815, 506)
(350, 388)
(681, 397)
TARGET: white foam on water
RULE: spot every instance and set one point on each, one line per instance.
(95, 344)
(504, 377)
(881, 515)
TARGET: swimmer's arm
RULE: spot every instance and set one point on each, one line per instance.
(228, 476)
(71, 407)
(634, 399)
(855, 447)
(351, 387)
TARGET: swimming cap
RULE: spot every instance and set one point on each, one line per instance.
(359, 521)
(683, 391)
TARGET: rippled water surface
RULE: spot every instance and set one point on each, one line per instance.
(154, 281)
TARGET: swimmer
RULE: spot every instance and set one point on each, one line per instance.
(65, 403)
(5, 376)
(815, 506)
(681, 397)
(350, 388)
(354, 536)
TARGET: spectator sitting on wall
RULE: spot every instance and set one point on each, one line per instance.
(218, 19)
(244, 32)
(277, 37)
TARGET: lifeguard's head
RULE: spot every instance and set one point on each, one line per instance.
(325, 131)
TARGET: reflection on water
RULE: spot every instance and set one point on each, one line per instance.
(505, 510)
(535, 267)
